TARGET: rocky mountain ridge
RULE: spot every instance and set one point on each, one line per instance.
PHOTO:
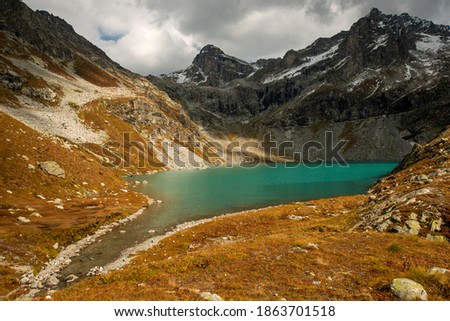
(382, 86)
(212, 67)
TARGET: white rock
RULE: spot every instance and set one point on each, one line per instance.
(56, 246)
(23, 219)
(151, 231)
(36, 214)
(31, 167)
(8, 191)
(59, 207)
(312, 245)
(437, 270)
(40, 196)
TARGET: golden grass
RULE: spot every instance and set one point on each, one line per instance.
(255, 256)
(84, 210)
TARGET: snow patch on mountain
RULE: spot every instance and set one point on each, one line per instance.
(380, 42)
(429, 43)
(292, 72)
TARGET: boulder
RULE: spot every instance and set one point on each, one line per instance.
(408, 290)
(23, 219)
(52, 168)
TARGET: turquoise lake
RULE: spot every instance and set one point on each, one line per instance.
(198, 194)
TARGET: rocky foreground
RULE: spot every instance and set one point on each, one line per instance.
(392, 244)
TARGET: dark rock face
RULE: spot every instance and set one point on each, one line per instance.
(388, 73)
(212, 67)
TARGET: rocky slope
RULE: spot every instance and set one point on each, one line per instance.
(415, 199)
(72, 123)
(57, 82)
(382, 86)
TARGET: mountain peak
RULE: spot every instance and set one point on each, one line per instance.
(210, 50)
(374, 13)
(212, 67)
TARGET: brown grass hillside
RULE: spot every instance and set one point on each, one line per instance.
(90, 195)
(294, 252)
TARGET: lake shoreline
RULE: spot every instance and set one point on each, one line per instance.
(65, 256)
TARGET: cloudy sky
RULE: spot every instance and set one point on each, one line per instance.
(159, 36)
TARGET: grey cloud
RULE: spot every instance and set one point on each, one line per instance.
(156, 36)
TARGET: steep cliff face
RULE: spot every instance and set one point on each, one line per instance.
(382, 85)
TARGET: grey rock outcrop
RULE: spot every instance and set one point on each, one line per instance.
(42, 93)
(52, 168)
(408, 201)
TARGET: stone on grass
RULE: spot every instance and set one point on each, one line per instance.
(52, 168)
(408, 290)
(208, 296)
(299, 249)
(437, 238)
(23, 219)
(437, 270)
